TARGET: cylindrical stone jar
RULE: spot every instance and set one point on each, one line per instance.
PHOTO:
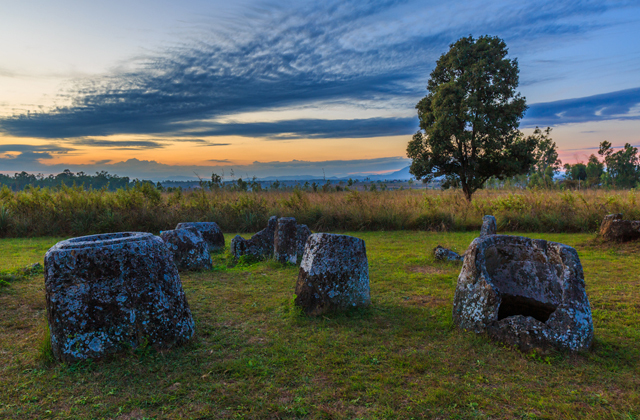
(111, 292)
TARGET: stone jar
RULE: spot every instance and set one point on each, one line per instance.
(111, 292)
(190, 250)
(334, 274)
(528, 293)
(210, 231)
(284, 243)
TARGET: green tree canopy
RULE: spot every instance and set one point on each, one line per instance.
(470, 117)
(623, 166)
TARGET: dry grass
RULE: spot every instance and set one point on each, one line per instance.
(74, 212)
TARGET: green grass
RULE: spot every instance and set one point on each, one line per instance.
(255, 356)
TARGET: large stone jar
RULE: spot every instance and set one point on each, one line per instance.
(528, 293)
(110, 292)
(334, 274)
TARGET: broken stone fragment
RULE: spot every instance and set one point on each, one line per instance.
(528, 293)
(260, 246)
(489, 226)
(190, 251)
(614, 228)
(111, 292)
(210, 232)
(285, 245)
(444, 254)
(334, 274)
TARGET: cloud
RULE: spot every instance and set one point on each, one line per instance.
(316, 129)
(620, 105)
(28, 148)
(279, 58)
(119, 144)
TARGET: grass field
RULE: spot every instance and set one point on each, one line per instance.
(255, 356)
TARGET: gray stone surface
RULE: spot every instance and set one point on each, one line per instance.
(260, 246)
(445, 254)
(190, 250)
(615, 228)
(489, 226)
(334, 274)
(210, 232)
(302, 234)
(112, 292)
(524, 292)
(285, 248)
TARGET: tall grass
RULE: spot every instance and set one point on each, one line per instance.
(74, 211)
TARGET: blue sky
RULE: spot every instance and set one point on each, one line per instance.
(161, 89)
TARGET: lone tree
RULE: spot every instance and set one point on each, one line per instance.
(469, 119)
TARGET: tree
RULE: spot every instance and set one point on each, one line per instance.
(623, 166)
(470, 117)
(594, 170)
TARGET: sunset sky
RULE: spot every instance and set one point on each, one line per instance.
(164, 89)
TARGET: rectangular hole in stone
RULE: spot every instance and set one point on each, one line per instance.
(520, 305)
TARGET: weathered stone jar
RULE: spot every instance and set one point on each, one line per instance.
(210, 232)
(109, 292)
(334, 274)
(190, 250)
(525, 292)
(615, 228)
(260, 246)
(285, 248)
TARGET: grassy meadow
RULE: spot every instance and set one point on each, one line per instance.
(74, 211)
(255, 356)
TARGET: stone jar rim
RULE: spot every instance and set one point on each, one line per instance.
(103, 239)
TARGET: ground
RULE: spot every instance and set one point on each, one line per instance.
(255, 356)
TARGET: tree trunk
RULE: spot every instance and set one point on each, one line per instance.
(467, 192)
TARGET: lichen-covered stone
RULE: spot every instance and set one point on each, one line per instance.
(302, 234)
(443, 254)
(190, 250)
(334, 274)
(615, 228)
(489, 226)
(285, 248)
(210, 232)
(525, 292)
(111, 292)
(260, 246)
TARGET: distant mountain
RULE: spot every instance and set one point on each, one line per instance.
(403, 175)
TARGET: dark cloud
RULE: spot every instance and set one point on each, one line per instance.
(23, 160)
(315, 129)
(609, 106)
(326, 51)
(119, 144)
(26, 148)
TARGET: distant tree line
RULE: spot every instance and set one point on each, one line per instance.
(101, 180)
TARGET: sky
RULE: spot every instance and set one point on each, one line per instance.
(174, 90)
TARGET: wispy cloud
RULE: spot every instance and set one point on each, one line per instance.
(119, 144)
(323, 51)
(24, 148)
(620, 105)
